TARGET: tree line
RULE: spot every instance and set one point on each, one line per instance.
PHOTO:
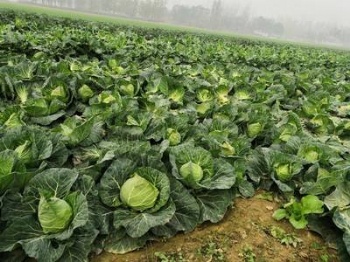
(217, 17)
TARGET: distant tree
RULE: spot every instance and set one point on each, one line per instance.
(154, 10)
(267, 26)
(216, 14)
(123, 7)
(190, 15)
(85, 5)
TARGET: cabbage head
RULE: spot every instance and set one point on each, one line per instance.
(254, 129)
(60, 93)
(204, 95)
(85, 92)
(54, 215)
(310, 153)
(242, 95)
(138, 193)
(174, 137)
(191, 172)
(283, 171)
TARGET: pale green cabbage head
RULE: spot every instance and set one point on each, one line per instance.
(177, 95)
(283, 171)
(128, 89)
(191, 172)
(204, 95)
(54, 215)
(59, 92)
(254, 129)
(174, 137)
(227, 149)
(242, 95)
(138, 193)
(85, 92)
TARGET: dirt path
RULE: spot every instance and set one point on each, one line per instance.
(248, 233)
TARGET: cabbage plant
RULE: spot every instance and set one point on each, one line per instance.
(26, 151)
(76, 130)
(144, 203)
(277, 166)
(209, 177)
(139, 195)
(49, 221)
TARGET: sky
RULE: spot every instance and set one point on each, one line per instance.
(328, 11)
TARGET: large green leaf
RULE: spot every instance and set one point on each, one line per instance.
(47, 120)
(15, 206)
(79, 205)
(7, 162)
(80, 245)
(32, 239)
(54, 181)
(138, 224)
(113, 179)
(120, 243)
(214, 204)
(224, 176)
(187, 212)
(340, 197)
(341, 219)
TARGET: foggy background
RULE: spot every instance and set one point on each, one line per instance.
(316, 21)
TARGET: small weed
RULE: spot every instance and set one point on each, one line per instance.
(247, 254)
(317, 246)
(212, 252)
(324, 258)
(283, 237)
(265, 196)
(169, 257)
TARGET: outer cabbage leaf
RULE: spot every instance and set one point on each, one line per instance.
(7, 163)
(28, 233)
(54, 182)
(138, 224)
(112, 180)
(214, 204)
(224, 176)
(187, 212)
(120, 242)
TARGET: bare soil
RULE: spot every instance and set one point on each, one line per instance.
(248, 233)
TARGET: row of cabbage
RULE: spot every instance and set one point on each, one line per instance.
(113, 136)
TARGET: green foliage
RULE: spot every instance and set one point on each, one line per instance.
(297, 212)
(247, 254)
(283, 237)
(111, 136)
(212, 252)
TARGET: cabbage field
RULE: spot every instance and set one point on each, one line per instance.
(112, 136)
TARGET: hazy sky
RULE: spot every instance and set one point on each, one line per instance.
(329, 11)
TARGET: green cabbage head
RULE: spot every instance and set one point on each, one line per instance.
(174, 137)
(85, 92)
(254, 129)
(54, 215)
(138, 193)
(204, 95)
(283, 171)
(191, 172)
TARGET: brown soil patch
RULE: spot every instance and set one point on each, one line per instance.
(245, 234)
